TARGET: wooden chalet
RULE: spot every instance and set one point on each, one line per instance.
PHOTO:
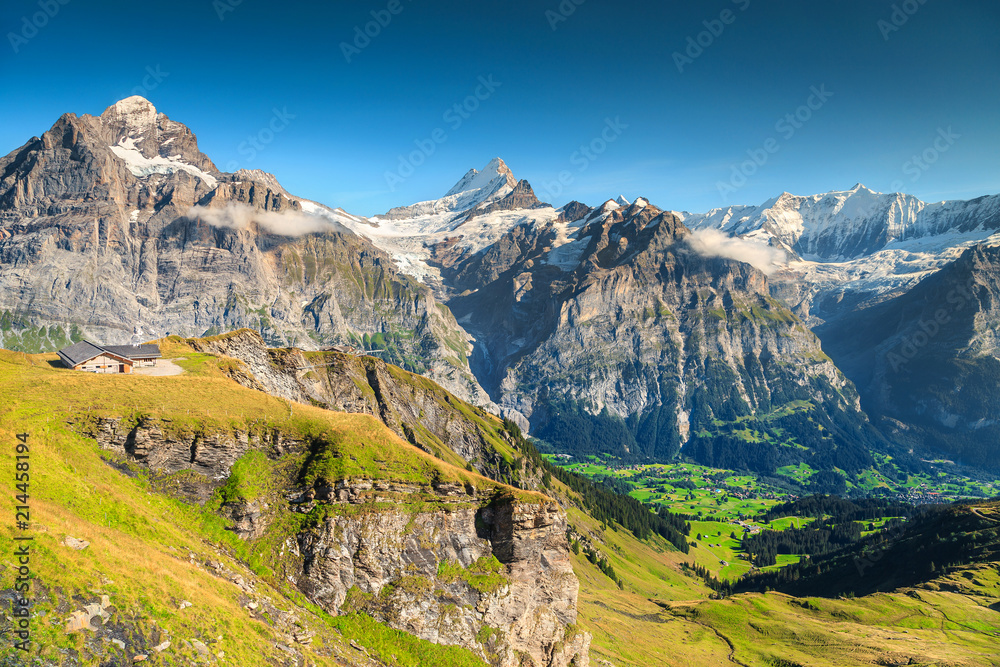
(92, 358)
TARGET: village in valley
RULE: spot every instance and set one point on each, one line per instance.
(724, 507)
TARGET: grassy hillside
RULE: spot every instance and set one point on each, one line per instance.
(664, 615)
(172, 572)
(169, 569)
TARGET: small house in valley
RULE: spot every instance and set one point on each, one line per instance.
(93, 358)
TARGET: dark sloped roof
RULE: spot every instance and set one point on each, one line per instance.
(76, 354)
(146, 351)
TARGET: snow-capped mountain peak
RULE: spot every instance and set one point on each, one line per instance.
(493, 174)
(475, 189)
(621, 201)
(470, 217)
(132, 116)
(150, 143)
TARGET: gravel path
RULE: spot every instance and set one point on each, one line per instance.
(162, 367)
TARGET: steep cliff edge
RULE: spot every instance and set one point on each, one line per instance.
(416, 409)
(354, 517)
(440, 553)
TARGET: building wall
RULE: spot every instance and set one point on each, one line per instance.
(105, 364)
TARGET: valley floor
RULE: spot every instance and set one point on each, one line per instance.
(663, 616)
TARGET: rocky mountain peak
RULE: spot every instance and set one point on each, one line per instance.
(493, 176)
(134, 113)
(132, 121)
(149, 142)
(635, 207)
(475, 189)
(260, 176)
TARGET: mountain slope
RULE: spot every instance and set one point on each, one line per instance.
(330, 517)
(414, 408)
(623, 339)
(926, 361)
(117, 223)
(845, 248)
(952, 548)
(231, 557)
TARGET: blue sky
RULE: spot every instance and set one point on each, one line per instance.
(586, 101)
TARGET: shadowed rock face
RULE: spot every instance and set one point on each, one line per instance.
(462, 567)
(642, 328)
(397, 565)
(93, 244)
(927, 362)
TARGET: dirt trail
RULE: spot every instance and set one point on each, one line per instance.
(163, 367)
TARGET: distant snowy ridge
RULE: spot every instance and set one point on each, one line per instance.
(855, 243)
(851, 224)
(409, 233)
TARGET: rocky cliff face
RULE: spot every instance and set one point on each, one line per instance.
(650, 343)
(465, 564)
(497, 579)
(927, 360)
(417, 410)
(522, 197)
(118, 224)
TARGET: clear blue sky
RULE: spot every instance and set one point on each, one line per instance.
(892, 91)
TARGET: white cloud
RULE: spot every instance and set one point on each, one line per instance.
(238, 216)
(713, 243)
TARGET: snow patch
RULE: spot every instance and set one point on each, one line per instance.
(142, 166)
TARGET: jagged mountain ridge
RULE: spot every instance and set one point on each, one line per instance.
(116, 222)
(180, 247)
(845, 225)
(627, 325)
(926, 361)
(909, 316)
(610, 317)
(855, 245)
